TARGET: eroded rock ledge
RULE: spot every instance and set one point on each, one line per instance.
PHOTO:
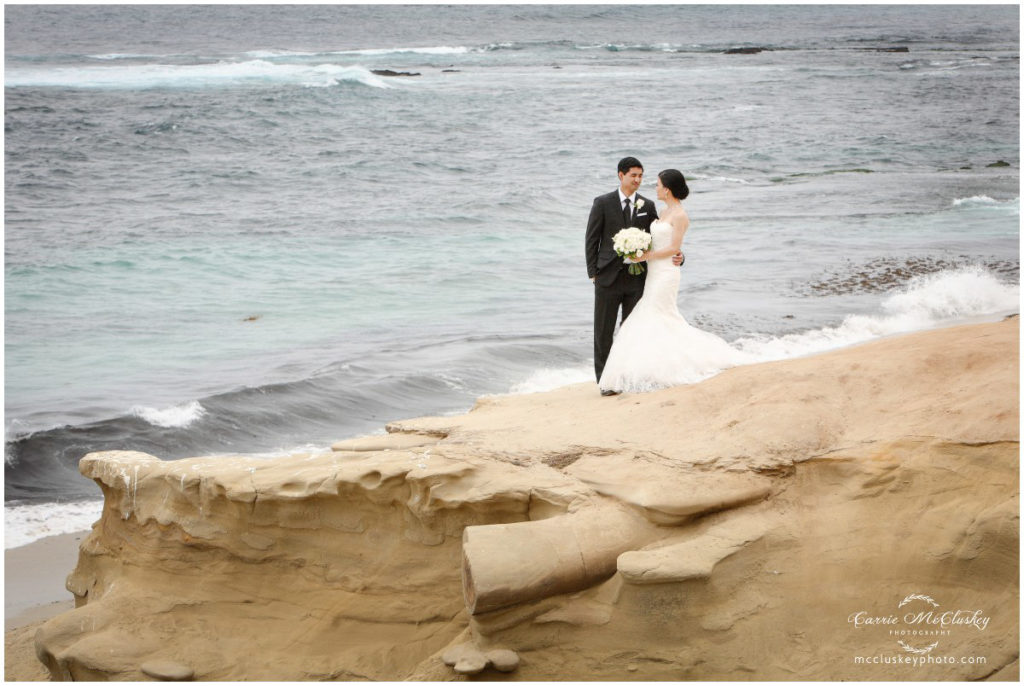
(725, 530)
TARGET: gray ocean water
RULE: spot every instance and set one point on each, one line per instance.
(224, 232)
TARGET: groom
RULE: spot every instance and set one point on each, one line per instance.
(614, 286)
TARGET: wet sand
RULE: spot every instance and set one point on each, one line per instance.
(34, 592)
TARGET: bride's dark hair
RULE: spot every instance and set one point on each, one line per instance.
(673, 180)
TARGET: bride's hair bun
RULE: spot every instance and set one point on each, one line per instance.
(673, 180)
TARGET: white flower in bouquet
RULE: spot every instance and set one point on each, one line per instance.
(632, 243)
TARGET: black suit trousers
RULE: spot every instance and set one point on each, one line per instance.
(623, 293)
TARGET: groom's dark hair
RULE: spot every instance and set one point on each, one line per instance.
(627, 163)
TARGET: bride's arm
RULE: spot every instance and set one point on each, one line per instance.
(680, 223)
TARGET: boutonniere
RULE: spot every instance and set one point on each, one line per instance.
(639, 203)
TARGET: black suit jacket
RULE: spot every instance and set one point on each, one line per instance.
(605, 221)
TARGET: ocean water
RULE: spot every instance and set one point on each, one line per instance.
(226, 233)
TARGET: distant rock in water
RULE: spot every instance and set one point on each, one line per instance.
(744, 51)
(999, 163)
(450, 71)
(901, 48)
(827, 172)
(888, 274)
(389, 72)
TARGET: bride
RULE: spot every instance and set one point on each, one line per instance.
(655, 347)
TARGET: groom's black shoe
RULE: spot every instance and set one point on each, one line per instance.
(608, 391)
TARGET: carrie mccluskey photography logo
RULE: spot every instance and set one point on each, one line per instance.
(919, 623)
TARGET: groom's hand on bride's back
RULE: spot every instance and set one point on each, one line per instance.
(678, 259)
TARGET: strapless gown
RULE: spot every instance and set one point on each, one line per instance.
(656, 347)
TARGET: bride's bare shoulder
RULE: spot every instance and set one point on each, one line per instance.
(678, 219)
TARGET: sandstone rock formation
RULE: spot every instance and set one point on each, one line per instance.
(733, 529)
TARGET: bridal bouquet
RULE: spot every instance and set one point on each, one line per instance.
(632, 243)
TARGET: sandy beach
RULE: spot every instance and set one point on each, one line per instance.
(732, 529)
(34, 592)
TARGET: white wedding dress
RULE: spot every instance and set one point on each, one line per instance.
(655, 347)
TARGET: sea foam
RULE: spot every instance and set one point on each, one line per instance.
(120, 56)
(985, 201)
(26, 523)
(438, 50)
(974, 200)
(121, 76)
(728, 179)
(551, 378)
(177, 417)
(366, 52)
(926, 302)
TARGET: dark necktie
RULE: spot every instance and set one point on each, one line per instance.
(627, 215)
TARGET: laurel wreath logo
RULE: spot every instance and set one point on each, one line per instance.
(931, 622)
(915, 596)
(918, 651)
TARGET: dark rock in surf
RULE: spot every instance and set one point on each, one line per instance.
(389, 72)
(744, 51)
